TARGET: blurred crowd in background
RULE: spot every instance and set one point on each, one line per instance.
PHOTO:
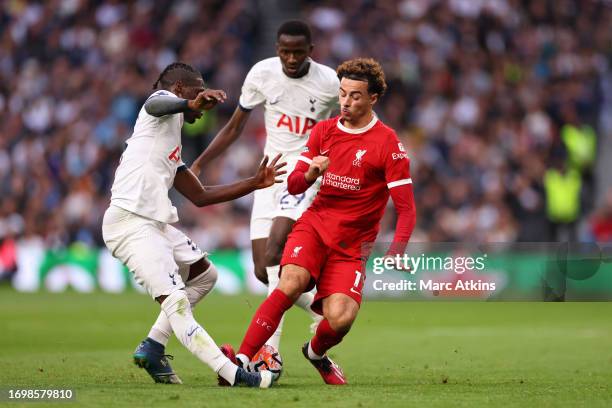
(501, 104)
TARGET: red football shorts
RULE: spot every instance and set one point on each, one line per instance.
(330, 270)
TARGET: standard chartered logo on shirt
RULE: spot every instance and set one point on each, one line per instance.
(342, 182)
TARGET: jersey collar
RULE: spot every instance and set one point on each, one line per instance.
(360, 130)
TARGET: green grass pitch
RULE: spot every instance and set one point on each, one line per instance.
(398, 354)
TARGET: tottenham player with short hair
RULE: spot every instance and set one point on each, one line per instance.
(362, 162)
(296, 93)
(136, 226)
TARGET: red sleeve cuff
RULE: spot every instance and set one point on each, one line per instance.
(296, 182)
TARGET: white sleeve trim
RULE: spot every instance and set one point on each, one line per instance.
(399, 182)
(305, 159)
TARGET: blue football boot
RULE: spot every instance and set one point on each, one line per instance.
(150, 355)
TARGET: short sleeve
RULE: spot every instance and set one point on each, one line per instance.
(251, 95)
(396, 163)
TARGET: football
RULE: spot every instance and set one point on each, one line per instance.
(268, 358)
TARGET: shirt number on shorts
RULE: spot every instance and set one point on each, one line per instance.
(355, 288)
(291, 201)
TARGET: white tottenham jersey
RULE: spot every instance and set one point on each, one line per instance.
(292, 105)
(148, 165)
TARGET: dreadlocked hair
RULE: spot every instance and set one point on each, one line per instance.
(174, 72)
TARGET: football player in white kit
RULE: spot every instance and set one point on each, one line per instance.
(296, 93)
(136, 226)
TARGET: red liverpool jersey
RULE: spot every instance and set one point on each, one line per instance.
(364, 166)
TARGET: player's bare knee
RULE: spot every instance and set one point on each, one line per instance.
(293, 281)
(290, 287)
(341, 313)
(341, 320)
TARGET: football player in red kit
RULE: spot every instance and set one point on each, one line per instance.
(362, 162)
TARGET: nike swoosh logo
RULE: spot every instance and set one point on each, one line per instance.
(354, 291)
(325, 152)
(193, 331)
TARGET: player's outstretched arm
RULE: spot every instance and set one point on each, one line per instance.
(226, 136)
(188, 184)
(161, 105)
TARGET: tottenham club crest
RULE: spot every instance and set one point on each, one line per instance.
(358, 156)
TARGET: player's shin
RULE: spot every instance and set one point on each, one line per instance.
(195, 289)
(194, 337)
(264, 322)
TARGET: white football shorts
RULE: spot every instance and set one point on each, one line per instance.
(158, 254)
(275, 201)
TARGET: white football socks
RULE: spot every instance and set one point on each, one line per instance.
(194, 337)
(311, 354)
(195, 289)
(304, 301)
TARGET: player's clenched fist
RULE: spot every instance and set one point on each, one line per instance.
(317, 167)
(207, 99)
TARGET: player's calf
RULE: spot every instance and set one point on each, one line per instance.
(340, 311)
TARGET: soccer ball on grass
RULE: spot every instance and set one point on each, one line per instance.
(267, 358)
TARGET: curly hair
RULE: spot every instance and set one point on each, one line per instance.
(174, 72)
(364, 69)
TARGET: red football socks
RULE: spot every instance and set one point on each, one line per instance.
(264, 322)
(325, 338)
